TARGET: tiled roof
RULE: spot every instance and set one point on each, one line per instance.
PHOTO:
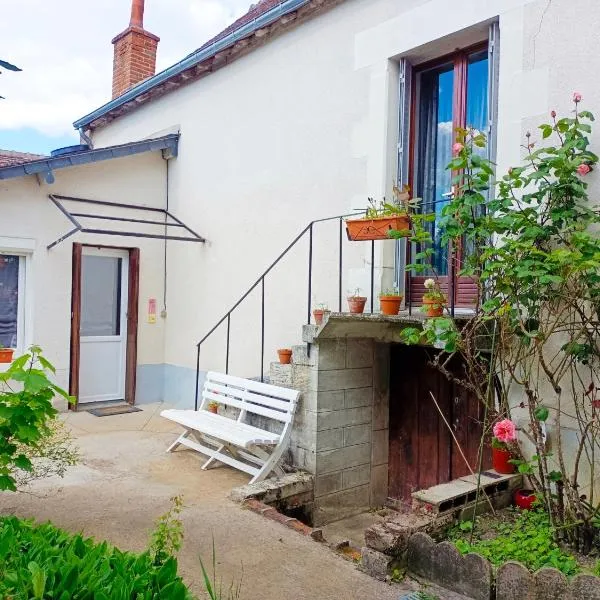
(10, 158)
(254, 11)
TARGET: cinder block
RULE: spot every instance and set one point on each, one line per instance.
(324, 401)
(330, 439)
(302, 356)
(343, 418)
(343, 458)
(340, 505)
(328, 484)
(358, 397)
(332, 354)
(380, 447)
(308, 333)
(359, 353)
(356, 476)
(357, 434)
(341, 379)
(300, 377)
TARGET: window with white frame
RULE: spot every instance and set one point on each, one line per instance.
(12, 300)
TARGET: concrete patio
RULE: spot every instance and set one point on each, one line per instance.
(124, 482)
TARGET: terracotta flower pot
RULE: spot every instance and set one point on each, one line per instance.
(285, 356)
(433, 308)
(6, 355)
(390, 305)
(500, 458)
(524, 499)
(213, 408)
(318, 314)
(356, 304)
(375, 229)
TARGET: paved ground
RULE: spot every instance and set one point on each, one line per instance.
(124, 483)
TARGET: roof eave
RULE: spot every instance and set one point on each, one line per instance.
(168, 144)
(263, 20)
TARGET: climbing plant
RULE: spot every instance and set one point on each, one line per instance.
(531, 351)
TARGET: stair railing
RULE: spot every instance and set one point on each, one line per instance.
(260, 282)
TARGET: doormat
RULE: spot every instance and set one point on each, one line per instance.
(108, 411)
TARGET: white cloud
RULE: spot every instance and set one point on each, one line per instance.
(65, 52)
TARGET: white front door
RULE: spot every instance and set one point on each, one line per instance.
(103, 332)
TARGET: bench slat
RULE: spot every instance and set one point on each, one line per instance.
(284, 417)
(268, 402)
(255, 386)
(222, 428)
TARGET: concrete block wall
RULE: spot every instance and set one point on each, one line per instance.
(341, 427)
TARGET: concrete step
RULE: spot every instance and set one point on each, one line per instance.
(309, 333)
(301, 355)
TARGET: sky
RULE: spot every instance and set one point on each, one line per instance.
(64, 48)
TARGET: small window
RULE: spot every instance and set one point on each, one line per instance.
(12, 293)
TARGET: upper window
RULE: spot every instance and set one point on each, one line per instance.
(12, 293)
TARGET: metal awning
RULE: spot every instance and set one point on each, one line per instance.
(169, 220)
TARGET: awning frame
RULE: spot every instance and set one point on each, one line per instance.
(78, 227)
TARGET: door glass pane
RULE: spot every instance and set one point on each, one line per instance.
(435, 151)
(100, 295)
(9, 299)
(477, 106)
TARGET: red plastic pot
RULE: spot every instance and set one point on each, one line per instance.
(524, 499)
(500, 458)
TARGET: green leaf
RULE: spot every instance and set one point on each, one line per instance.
(541, 413)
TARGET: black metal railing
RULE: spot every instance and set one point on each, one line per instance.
(309, 232)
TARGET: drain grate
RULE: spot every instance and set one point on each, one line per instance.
(411, 596)
(108, 411)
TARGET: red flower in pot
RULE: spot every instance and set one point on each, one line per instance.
(505, 432)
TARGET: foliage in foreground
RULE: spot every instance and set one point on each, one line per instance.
(31, 443)
(42, 561)
(529, 540)
(532, 348)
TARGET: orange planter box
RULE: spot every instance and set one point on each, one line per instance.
(375, 229)
(6, 355)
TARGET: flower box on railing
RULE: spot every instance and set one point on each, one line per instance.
(375, 229)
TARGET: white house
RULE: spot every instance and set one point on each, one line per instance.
(295, 113)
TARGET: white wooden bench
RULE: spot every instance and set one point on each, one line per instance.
(234, 441)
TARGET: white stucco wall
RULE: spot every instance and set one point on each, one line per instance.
(29, 218)
(305, 127)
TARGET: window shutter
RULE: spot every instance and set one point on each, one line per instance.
(404, 97)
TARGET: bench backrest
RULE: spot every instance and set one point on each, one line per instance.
(270, 401)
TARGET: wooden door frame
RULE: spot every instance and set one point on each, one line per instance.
(132, 321)
(459, 59)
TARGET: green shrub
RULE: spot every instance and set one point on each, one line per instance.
(529, 540)
(42, 561)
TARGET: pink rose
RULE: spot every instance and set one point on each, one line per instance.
(577, 97)
(505, 431)
(457, 148)
(583, 169)
(553, 114)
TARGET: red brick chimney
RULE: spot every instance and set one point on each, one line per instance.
(135, 52)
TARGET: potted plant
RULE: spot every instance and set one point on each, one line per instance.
(6, 354)
(434, 299)
(320, 312)
(213, 407)
(505, 433)
(356, 302)
(380, 219)
(390, 301)
(285, 355)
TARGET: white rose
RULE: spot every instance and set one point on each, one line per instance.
(429, 283)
